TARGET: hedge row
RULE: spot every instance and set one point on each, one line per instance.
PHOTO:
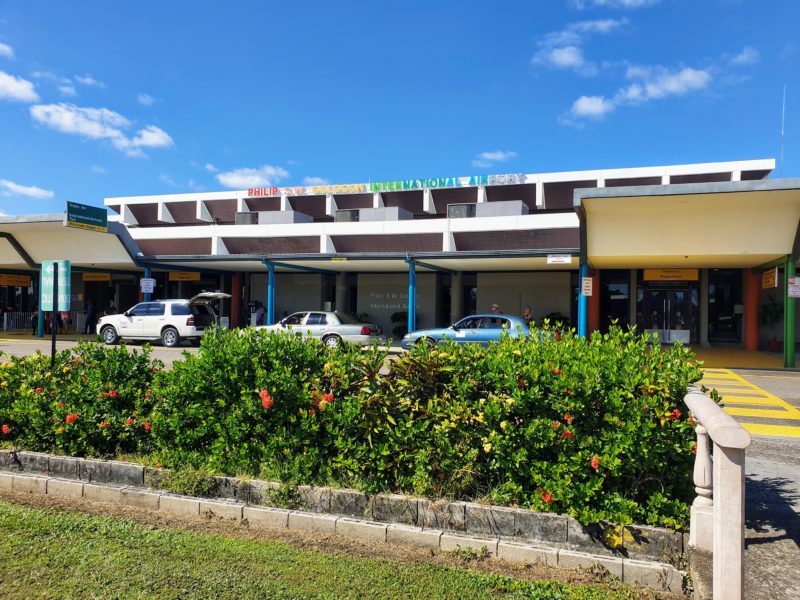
(592, 427)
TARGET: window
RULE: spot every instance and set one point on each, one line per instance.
(180, 309)
(317, 319)
(295, 319)
(469, 323)
(349, 215)
(155, 309)
(460, 211)
(139, 310)
(494, 323)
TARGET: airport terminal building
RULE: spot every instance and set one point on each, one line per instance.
(694, 251)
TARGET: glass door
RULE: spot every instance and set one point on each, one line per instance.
(667, 312)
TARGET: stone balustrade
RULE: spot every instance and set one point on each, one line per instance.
(717, 515)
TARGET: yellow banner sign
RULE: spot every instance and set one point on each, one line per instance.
(96, 276)
(671, 274)
(769, 278)
(15, 280)
(184, 276)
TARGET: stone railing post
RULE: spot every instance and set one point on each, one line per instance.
(726, 501)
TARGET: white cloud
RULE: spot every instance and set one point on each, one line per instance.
(50, 76)
(211, 168)
(90, 81)
(146, 99)
(315, 181)
(747, 56)
(265, 175)
(9, 188)
(6, 50)
(488, 159)
(168, 180)
(628, 4)
(16, 89)
(100, 124)
(98, 169)
(594, 107)
(67, 90)
(562, 49)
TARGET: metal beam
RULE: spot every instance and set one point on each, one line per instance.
(778, 262)
(20, 250)
(270, 292)
(583, 312)
(301, 268)
(425, 265)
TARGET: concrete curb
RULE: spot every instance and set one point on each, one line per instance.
(656, 576)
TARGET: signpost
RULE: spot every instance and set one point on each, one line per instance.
(586, 286)
(84, 216)
(793, 287)
(55, 295)
(147, 285)
(769, 278)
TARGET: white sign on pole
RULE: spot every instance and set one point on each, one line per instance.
(586, 286)
(147, 284)
(64, 295)
(793, 289)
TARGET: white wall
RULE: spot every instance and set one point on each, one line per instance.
(293, 291)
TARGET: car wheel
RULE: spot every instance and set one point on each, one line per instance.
(109, 335)
(426, 341)
(170, 337)
(332, 341)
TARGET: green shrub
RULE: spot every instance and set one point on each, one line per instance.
(94, 401)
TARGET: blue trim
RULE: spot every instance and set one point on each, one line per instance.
(148, 273)
(270, 293)
(303, 268)
(412, 295)
(583, 302)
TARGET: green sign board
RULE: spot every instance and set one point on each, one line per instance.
(84, 216)
(64, 296)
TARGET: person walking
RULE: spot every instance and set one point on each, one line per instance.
(35, 321)
(527, 315)
(260, 314)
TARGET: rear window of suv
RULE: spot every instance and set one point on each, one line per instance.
(181, 309)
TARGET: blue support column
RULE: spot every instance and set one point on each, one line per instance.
(270, 293)
(583, 304)
(40, 314)
(148, 273)
(412, 296)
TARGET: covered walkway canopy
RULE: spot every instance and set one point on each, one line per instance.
(738, 224)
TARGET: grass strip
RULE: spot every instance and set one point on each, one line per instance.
(56, 554)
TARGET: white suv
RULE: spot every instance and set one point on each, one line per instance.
(168, 320)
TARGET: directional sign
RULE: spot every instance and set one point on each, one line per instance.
(586, 286)
(84, 216)
(64, 296)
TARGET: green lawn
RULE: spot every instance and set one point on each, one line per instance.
(54, 554)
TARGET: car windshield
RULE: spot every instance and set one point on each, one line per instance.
(345, 319)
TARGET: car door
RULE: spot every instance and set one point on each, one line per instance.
(293, 322)
(316, 324)
(466, 330)
(491, 328)
(130, 324)
(154, 320)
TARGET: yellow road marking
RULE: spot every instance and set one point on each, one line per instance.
(772, 430)
(751, 400)
(791, 415)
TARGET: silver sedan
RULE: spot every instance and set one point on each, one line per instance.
(331, 327)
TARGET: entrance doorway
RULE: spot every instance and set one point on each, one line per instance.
(668, 311)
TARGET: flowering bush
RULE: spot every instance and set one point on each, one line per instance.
(87, 404)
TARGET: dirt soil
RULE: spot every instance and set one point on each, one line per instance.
(320, 542)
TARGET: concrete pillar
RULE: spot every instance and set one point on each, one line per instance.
(341, 292)
(704, 308)
(481, 194)
(728, 542)
(752, 296)
(456, 296)
(236, 299)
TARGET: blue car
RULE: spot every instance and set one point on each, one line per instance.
(480, 329)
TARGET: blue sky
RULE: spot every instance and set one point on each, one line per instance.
(182, 96)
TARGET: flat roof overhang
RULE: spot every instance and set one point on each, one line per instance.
(374, 263)
(27, 241)
(740, 224)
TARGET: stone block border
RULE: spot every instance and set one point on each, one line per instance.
(452, 518)
(657, 576)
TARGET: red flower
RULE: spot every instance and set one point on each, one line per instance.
(595, 462)
(5, 429)
(547, 497)
(60, 404)
(555, 424)
(567, 434)
(557, 335)
(675, 415)
(568, 419)
(556, 371)
(148, 394)
(312, 412)
(328, 397)
(147, 427)
(266, 399)
(521, 383)
(104, 424)
(440, 475)
(38, 391)
(71, 418)
(694, 448)
(113, 393)
(129, 421)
